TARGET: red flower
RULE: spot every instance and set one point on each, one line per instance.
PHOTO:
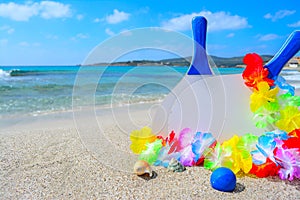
(265, 170)
(167, 140)
(291, 143)
(295, 133)
(255, 72)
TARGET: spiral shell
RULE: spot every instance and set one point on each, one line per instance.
(141, 167)
(175, 166)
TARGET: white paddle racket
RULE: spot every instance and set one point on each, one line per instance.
(218, 104)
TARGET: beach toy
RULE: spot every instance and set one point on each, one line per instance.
(175, 166)
(141, 167)
(219, 104)
(223, 179)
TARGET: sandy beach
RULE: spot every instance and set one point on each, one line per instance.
(53, 157)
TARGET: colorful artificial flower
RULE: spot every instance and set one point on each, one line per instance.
(288, 99)
(255, 72)
(289, 160)
(139, 138)
(245, 145)
(270, 154)
(168, 151)
(165, 156)
(169, 139)
(282, 84)
(269, 168)
(266, 145)
(234, 157)
(266, 115)
(218, 157)
(289, 119)
(291, 143)
(150, 154)
(185, 140)
(201, 142)
(295, 133)
(262, 96)
(187, 156)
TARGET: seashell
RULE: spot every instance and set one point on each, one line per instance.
(141, 167)
(175, 166)
(223, 179)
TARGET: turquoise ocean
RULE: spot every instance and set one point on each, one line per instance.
(34, 90)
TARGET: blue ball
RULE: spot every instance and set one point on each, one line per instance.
(223, 179)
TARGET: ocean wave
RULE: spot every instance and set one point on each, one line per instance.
(18, 72)
(4, 74)
(25, 72)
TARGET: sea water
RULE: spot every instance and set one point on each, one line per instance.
(34, 90)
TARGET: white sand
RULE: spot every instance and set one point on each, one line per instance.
(56, 157)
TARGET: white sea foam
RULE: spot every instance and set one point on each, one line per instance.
(4, 74)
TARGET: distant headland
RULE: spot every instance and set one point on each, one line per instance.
(213, 60)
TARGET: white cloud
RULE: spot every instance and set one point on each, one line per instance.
(109, 32)
(52, 9)
(51, 37)
(279, 14)
(143, 10)
(295, 25)
(27, 44)
(3, 42)
(80, 36)
(216, 21)
(96, 20)
(267, 37)
(230, 35)
(36, 44)
(7, 29)
(44, 9)
(117, 17)
(24, 44)
(79, 17)
(18, 12)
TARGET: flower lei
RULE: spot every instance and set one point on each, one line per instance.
(274, 106)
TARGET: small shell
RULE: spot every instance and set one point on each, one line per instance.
(175, 166)
(141, 167)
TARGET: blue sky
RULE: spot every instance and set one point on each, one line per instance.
(64, 32)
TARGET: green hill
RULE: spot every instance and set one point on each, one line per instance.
(213, 60)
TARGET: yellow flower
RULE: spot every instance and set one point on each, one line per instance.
(139, 138)
(262, 96)
(230, 145)
(289, 119)
(241, 158)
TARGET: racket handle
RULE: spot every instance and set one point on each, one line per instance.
(287, 51)
(199, 64)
